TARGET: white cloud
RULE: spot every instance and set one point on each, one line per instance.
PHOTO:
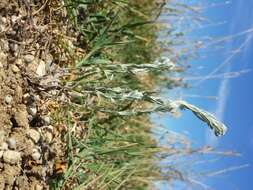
(223, 93)
(222, 98)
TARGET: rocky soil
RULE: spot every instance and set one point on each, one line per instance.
(30, 144)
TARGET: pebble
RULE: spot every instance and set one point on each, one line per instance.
(28, 58)
(5, 45)
(21, 117)
(13, 47)
(3, 58)
(36, 97)
(3, 20)
(44, 171)
(8, 99)
(19, 92)
(2, 28)
(14, 19)
(48, 136)
(2, 182)
(46, 119)
(18, 62)
(11, 32)
(49, 59)
(32, 110)
(11, 156)
(11, 143)
(41, 69)
(34, 135)
(38, 187)
(49, 128)
(22, 182)
(10, 173)
(4, 146)
(54, 92)
(2, 136)
(30, 118)
(26, 97)
(36, 155)
(63, 97)
(15, 69)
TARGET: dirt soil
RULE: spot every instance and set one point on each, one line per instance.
(30, 144)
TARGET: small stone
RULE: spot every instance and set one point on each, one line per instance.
(10, 172)
(30, 118)
(41, 69)
(48, 136)
(2, 136)
(22, 182)
(32, 110)
(5, 45)
(63, 97)
(2, 28)
(14, 19)
(4, 146)
(19, 92)
(3, 58)
(54, 92)
(36, 97)
(26, 98)
(37, 45)
(11, 143)
(11, 156)
(1, 153)
(34, 135)
(2, 182)
(28, 58)
(3, 20)
(18, 62)
(44, 171)
(21, 117)
(8, 99)
(32, 66)
(15, 69)
(36, 155)
(11, 32)
(49, 59)
(13, 47)
(46, 119)
(49, 128)
(38, 187)
(26, 95)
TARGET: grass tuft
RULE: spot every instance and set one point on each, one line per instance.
(107, 101)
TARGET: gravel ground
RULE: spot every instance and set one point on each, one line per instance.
(30, 144)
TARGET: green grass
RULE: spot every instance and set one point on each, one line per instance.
(108, 139)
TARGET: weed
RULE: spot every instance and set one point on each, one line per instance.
(108, 140)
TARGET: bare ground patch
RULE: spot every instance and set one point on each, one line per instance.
(30, 146)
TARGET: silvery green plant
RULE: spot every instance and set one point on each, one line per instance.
(158, 105)
(101, 67)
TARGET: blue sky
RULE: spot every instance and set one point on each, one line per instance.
(234, 95)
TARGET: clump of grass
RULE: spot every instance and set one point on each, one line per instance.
(126, 95)
(108, 139)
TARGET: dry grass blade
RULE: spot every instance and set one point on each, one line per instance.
(159, 105)
(218, 127)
